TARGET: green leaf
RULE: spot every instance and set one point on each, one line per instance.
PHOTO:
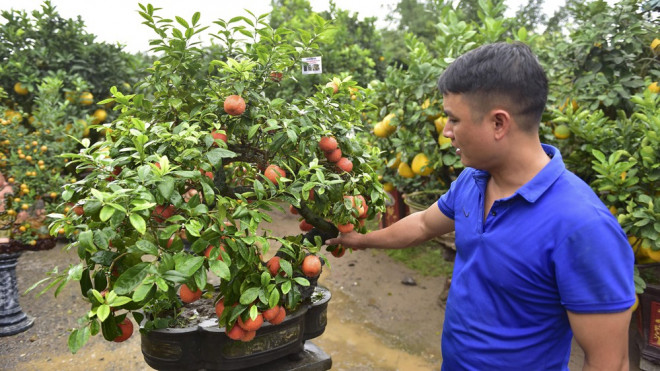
(138, 223)
(216, 155)
(86, 240)
(265, 278)
(274, 298)
(133, 277)
(301, 281)
(250, 295)
(106, 212)
(166, 187)
(147, 247)
(220, 269)
(286, 287)
(188, 265)
(78, 338)
(286, 267)
(103, 312)
(141, 292)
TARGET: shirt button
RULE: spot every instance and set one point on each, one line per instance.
(493, 213)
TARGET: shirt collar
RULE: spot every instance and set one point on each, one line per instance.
(533, 189)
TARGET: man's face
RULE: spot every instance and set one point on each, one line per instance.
(469, 131)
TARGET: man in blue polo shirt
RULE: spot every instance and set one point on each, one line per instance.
(539, 257)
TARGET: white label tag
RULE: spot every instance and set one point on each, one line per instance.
(312, 65)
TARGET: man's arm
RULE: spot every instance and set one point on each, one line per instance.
(604, 339)
(409, 231)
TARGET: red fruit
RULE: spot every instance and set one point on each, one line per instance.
(162, 212)
(249, 335)
(271, 313)
(311, 266)
(251, 324)
(276, 76)
(234, 105)
(236, 332)
(328, 144)
(116, 170)
(157, 164)
(305, 227)
(170, 241)
(333, 85)
(188, 296)
(293, 210)
(273, 265)
(273, 173)
(207, 252)
(219, 307)
(345, 228)
(218, 136)
(333, 156)
(279, 318)
(126, 327)
(78, 210)
(345, 165)
(339, 251)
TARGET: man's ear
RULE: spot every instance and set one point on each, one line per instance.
(501, 121)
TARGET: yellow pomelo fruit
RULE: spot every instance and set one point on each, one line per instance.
(442, 140)
(440, 124)
(396, 163)
(420, 165)
(654, 88)
(405, 171)
(655, 46)
(562, 132)
(388, 187)
(380, 130)
(99, 116)
(20, 89)
(86, 98)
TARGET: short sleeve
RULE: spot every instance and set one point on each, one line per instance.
(446, 203)
(594, 266)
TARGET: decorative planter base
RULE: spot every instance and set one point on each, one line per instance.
(207, 346)
(12, 318)
(647, 317)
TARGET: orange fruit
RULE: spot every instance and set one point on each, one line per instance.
(311, 266)
(305, 226)
(251, 324)
(279, 318)
(234, 105)
(236, 332)
(333, 156)
(345, 165)
(334, 86)
(328, 144)
(219, 307)
(345, 228)
(86, 98)
(271, 313)
(339, 251)
(187, 295)
(273, 265)
(273, 173)
(248, 336)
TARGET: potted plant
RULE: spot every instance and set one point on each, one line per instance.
(179, 189)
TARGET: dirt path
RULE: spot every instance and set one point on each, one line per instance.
(374, 321)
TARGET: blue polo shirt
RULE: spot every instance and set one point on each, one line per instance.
(551, 247)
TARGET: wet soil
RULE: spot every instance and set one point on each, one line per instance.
(375, 322)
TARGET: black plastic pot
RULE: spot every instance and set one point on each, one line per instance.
(207, 347)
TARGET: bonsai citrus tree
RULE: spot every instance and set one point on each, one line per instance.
(29, 162)
(181, 187)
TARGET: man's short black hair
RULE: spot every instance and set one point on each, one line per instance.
(500, 70)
